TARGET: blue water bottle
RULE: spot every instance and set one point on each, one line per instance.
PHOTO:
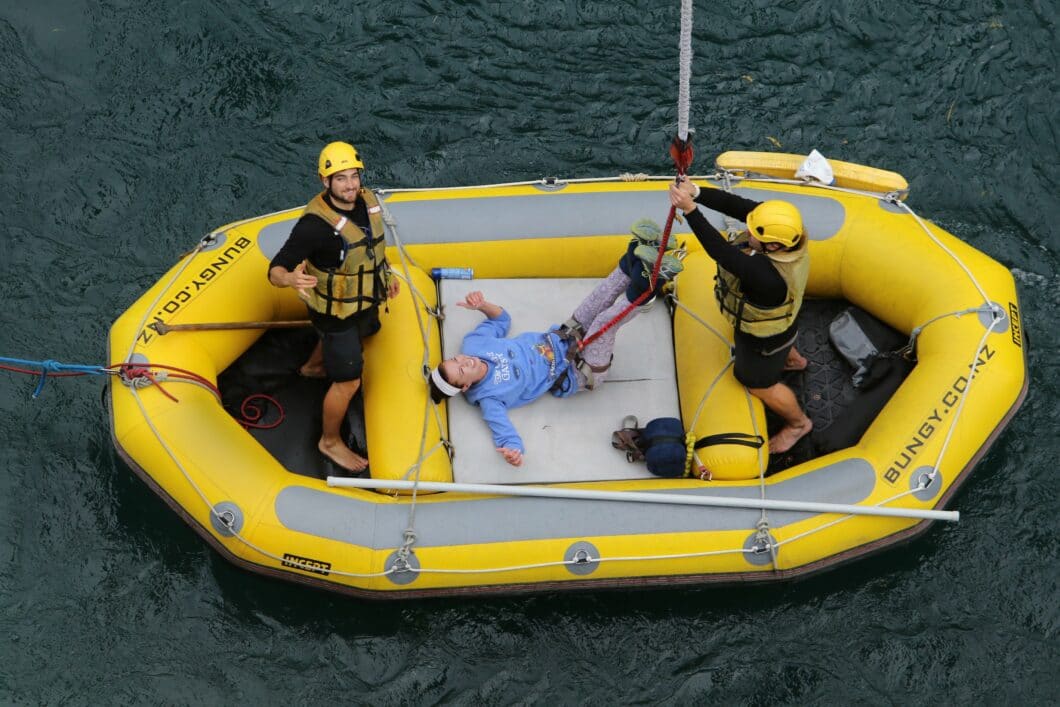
(452, 273)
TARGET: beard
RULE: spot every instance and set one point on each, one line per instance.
(337, 196)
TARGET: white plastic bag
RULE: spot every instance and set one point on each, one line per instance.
(816, 167)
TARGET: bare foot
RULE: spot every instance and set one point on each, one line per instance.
(342, 455)
(310, 371)
(788, 436)
(795, 361)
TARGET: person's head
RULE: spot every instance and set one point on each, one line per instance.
(455, 375)
(775, 225)
(340, 168)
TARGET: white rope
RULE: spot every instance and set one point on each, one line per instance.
(994, 323)
(763, 522)
(422, 570)
(410, 529)
(162, 293)
(415, 467)
(677, 303)
(685, 75)
(915, 334)
(213, 509)
(626, 177)
(829, 524)
(582, 561)
(762, 527)
(964, 398)
(710, 389)
(947, 251)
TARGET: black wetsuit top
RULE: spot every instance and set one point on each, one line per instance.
(314, 239)
(762, 285)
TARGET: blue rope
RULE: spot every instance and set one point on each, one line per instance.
(50, 366)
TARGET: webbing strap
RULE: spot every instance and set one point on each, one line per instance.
(740, 438)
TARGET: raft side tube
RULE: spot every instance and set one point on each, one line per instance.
(400, 422)
(701, 355)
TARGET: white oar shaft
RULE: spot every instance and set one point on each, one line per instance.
(637, 497)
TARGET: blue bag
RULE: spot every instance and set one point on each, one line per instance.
(663, 442)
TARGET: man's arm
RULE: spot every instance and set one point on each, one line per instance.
(716, 245)
(724, 202)
(759, 279)
(310, 237)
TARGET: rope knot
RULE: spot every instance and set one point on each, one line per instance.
(401, 559)
(47, 366)
(763, 540)
(409, 539)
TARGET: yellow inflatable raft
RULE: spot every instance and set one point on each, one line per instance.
(581, 523)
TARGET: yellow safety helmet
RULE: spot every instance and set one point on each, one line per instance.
(337, 156)
(775, 221)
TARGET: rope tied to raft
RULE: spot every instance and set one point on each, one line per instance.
(49, 367)
(138, 376)
(401, 560)
(431, 410)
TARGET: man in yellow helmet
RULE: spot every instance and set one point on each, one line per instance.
(335, 258)
(761, 279)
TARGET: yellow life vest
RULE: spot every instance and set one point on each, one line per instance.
(794, 269)
(360, 281)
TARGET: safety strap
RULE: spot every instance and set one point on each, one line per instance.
(627, 440)
(740, 438)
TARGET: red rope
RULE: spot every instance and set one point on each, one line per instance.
(651, 281)
(643, 295)
(252, 412)
(135, 371)
(682, 153)
(58, 374)
(129, 369)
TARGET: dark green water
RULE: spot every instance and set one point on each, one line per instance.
(129, 129)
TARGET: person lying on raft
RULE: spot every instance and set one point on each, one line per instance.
(498, 374)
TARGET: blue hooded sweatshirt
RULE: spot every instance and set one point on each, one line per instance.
(519, 371)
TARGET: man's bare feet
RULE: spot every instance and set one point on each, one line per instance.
(311, 371)
(342, 455)
(789, 435)
(795, 361)
(314, 365)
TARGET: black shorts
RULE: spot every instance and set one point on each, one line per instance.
(342, 347)
(760, 362)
